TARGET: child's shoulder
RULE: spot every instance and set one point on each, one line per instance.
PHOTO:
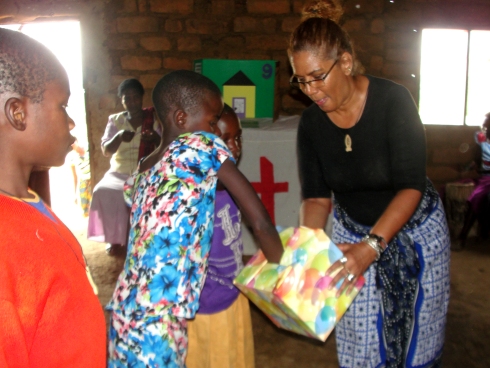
(199, 139)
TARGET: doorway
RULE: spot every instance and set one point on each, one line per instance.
(64, 40)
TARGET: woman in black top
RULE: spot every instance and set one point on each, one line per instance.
(363, 141)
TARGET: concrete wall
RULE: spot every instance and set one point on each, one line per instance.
(148, 38)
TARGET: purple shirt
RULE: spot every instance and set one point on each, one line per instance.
(225, 257)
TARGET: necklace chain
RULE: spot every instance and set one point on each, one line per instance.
(54, 227)
(84, 264)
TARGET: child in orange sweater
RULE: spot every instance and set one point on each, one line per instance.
(49, 313)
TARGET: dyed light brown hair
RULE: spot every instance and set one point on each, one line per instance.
(320, 33)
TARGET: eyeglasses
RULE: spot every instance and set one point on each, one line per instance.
(317, 82)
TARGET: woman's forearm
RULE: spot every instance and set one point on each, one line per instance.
(397, 214)
(111, 146)
(314, 212)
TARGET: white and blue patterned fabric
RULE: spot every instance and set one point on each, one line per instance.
(398, 319)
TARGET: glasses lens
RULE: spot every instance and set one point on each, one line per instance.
(294, 83)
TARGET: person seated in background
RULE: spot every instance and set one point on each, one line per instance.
(478, 201)
(129, 136)
(80, 166)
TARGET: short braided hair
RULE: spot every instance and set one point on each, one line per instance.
(183, 89)
(26, 65)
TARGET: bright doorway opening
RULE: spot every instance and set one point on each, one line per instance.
(64, 40)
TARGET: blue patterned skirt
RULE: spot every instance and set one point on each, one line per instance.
(398, 319)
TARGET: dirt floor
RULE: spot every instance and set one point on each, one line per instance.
(468, 324)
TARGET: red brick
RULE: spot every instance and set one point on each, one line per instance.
(143, 6)
(147, 101)
(232, 42)
(401, 39)
(132, 62)
(267, 43)
(245, 24)
(120, 43)
(156, 43)
(289, 24)
(206, 26)
(377, 26)
(137, 24)
(173, 26)
(269, 25)
(251, 24)
(355, 25)
(172, 6)
(364, 7)
(268, 6)
(369, 43)
(442, 174)
(376, 63)
(451, 156)
(149, 80)
(189, 44)
(402, 71)
(128, 6)
(110, 27)
(223, 6)
(107, 101)
(404, 55)
(298, 6)
(176, 63)
(116, 81)
(245, 55)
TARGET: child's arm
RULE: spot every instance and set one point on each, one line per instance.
(253, 210)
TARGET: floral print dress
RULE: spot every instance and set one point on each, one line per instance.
(172, 209)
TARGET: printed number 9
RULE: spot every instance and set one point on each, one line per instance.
(267, 71)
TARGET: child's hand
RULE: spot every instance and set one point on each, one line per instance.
(127, 135)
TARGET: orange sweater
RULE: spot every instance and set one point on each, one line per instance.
(49, 314)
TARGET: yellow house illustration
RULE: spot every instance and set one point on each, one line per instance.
(240, 93)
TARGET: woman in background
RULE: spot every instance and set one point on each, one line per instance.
(129, 136)
(363, 141)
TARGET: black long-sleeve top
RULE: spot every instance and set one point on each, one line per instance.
(388, 153)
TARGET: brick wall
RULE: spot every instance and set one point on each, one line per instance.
(148, 38)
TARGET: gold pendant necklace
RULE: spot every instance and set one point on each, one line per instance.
(348, 139)
(348, 143)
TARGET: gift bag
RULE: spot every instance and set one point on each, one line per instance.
(294, 293)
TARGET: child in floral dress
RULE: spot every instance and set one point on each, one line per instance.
(220, 336)
(172, 209)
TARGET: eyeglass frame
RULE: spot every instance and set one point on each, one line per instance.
(302, 85)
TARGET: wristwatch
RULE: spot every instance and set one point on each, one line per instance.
(375, 241)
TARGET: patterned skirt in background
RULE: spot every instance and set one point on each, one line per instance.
(147, 341)
(108, 220)
(85, 193)
(398, 319)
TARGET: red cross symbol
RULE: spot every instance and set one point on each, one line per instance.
(266, 187)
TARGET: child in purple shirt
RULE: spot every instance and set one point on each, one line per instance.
(221, 336)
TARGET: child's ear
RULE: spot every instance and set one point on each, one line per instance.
(180, 118)
(15, 113)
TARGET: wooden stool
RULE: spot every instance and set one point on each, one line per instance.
(457, 206)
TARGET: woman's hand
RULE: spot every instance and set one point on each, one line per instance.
(126, 135)
(356, 260)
